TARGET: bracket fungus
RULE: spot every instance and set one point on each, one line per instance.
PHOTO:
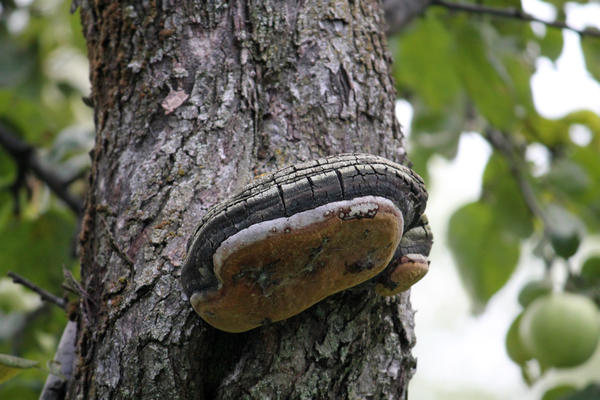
(303, 233)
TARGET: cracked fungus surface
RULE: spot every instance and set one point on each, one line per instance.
(273, 270)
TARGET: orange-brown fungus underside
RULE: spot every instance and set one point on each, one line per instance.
(277, 277)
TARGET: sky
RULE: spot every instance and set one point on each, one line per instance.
(462, 356)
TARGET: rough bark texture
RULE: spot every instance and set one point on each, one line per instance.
(192, 100)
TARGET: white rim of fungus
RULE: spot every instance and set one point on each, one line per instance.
(344, 209)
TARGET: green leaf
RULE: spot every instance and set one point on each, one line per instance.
(514, 346)
(558, 392)
(532, 290)
(590, 271)
(564, 230)
(486, 255)
(6, 207)
(513, 30)
(15, 63)
(38, 248)
(568, 177)
(574, 177)
(501, 192)
(543, 130)
(25, 115)
(554, 132)
(519, 71)
(552, 43)
(591, 54)
(10, 366)
(8, 170)
(590, 392)
(438, 131)
(420, 65)
(585, 117)
(480, 71)
(586, 203)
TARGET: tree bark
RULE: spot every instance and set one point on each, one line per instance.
(192, 100)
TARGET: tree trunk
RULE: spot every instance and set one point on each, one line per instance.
(192, 100)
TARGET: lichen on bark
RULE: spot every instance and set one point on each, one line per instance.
(268, 83)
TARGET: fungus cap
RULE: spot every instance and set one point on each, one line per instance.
(409, 263)
(301, 234)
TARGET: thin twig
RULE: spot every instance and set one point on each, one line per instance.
(24, 155)
(45, 295)
(512, 13)
(503, 144)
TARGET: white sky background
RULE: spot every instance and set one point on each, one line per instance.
(461, 356)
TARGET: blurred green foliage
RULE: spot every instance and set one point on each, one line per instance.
(460, 73)
(473, 73)
(43, 76)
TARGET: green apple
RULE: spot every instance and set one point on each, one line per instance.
(514, 345)
(561, 329)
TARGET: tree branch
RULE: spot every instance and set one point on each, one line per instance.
(24, 155)
(44, 294)
(399, 13)
(512, 13)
